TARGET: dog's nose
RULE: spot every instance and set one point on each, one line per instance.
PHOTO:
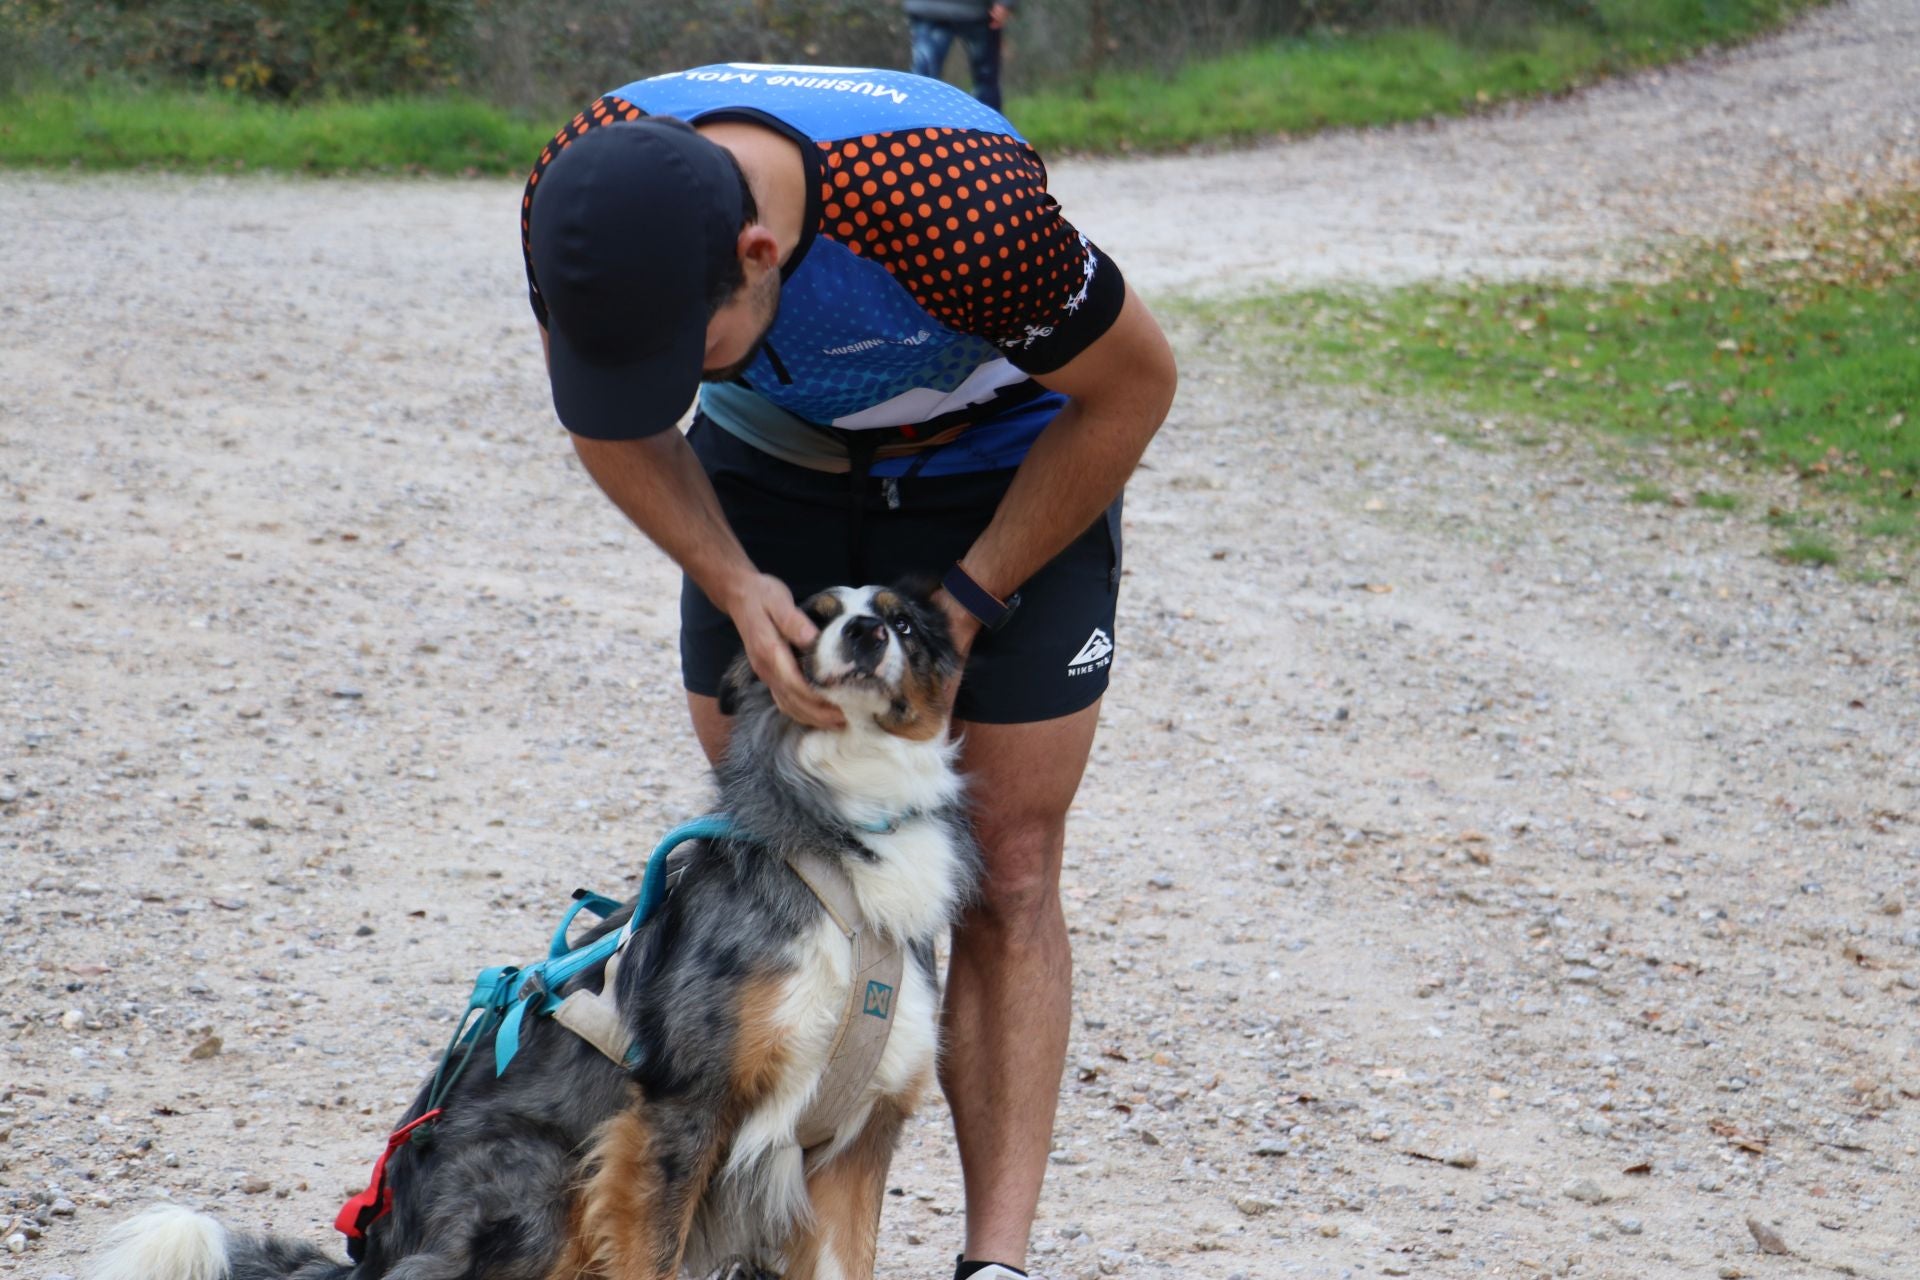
(866, 635)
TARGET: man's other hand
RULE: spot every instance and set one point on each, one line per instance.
(965, 629)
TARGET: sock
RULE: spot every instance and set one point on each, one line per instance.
(964, 1268)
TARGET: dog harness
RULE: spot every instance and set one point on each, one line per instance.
(504, 994)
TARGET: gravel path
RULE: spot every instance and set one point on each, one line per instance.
(1479, 875)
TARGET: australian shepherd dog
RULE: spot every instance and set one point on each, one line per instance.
(735, 990)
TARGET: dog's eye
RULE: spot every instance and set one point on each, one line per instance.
(903, 626)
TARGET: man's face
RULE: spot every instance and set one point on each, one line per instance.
(737, 329)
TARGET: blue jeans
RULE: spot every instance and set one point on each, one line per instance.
(931, 40)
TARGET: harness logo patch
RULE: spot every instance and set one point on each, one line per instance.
(879, 1002)
(1096, 653)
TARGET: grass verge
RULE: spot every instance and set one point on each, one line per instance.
(1333, 79)
(1800, 351)
(1291, 87)
(177, 129)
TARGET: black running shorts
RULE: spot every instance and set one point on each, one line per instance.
(800, 525)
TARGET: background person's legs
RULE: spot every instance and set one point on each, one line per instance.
(983, 59)
(931, 40)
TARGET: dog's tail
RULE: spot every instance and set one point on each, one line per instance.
(168, 1242)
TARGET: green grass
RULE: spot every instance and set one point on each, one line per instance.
(1808, 551)
(1710, 501)
(1290, 87)
(178, 129)
(1325, 80)
(1801, 352)
(1645, 492)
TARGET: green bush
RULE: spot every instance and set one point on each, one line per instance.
(276, 49)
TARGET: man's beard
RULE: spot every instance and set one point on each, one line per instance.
(771, 291)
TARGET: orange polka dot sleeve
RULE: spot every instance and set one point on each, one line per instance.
(962, 220)
(602, 111)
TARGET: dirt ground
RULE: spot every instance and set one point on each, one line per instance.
(1478, 875)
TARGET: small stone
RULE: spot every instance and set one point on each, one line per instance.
(1254, 1206)
(1461, 1157)
(1586, 1191)
(1161, 881)
(1730, 1272)
(1149, 1137)
(73, 1019)
(1767, 1238)
(1711, 1182)
(17, 1243)
(253, 1184)
(1272, 1147)
(1329, 1229)
(63, 1208)
(205, 1049)
(1629, 1226)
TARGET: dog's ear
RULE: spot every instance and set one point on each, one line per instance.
(918, 589)
(734, 685)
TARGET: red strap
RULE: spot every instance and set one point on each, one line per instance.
(376, 1201)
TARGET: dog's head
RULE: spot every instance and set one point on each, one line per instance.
(883, 653)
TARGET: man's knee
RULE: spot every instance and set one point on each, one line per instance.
(1020, 883)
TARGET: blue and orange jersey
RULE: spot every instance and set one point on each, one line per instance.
(934, 275)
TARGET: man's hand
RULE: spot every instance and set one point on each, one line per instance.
(998, 15)
(965, 629)
(771, 627)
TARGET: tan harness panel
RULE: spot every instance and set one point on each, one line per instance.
(866, 1021)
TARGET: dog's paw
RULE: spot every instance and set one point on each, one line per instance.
(742, 1269)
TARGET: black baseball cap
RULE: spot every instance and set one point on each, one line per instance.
(632, 226)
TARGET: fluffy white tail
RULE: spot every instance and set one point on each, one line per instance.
(166, 1242)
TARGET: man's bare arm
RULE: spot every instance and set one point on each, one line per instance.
(1118, 391)
(660, 486)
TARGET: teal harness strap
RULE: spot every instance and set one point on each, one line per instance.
(598, 903)
(537, 987)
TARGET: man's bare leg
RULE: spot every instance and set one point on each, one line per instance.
(1010, 985)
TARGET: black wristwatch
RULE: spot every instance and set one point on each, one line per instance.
(992, 612)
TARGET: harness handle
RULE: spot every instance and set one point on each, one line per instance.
(583, 900)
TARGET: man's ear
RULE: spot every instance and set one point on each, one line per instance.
(734, 685)
(758, 245)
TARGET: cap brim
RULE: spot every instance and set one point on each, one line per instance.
(641, 397)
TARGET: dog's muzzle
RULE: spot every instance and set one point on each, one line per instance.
(863, 644)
